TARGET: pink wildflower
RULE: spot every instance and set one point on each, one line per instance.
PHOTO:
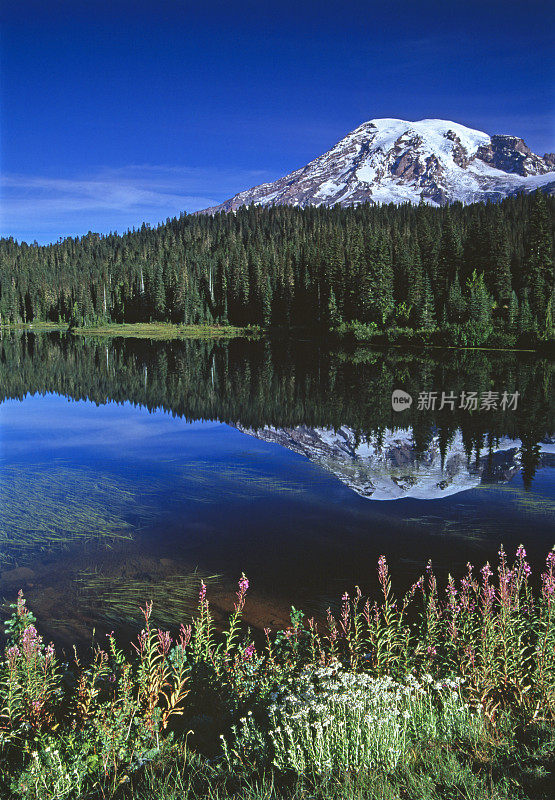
(419, 584)
(488, 590)
(548, 577)
(147, 611)
(486, 572)
(185, 633)
(49, 654)
(345, 613)
(142, 639)
(382, 570)
(243, 584)
(12, 654)
(248, 652)
(523, 565)
(21, 610)
(164, 642)
(30, 641)
(548, 586)
(332, 627)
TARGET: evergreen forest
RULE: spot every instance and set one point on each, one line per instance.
(463, 275)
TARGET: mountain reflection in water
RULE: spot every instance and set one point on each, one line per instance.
(389, 467)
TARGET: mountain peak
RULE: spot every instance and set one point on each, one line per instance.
(388, 160)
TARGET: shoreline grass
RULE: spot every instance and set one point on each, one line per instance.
(141, 330)
(172, 331)
(438, 694)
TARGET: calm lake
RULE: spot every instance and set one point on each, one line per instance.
(130, 468)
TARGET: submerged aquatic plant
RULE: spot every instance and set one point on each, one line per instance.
(50, 507)
(116, 598)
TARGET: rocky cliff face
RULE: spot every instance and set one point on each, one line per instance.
(510, 154)
(395, 161)
(390, 468)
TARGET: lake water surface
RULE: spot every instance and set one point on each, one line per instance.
(130, 468)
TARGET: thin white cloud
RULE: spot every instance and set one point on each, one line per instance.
(44, 207)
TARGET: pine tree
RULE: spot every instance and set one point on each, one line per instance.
(377, 301)
(427, 317)
(221, 292)
(500, 261)
(427, 242)
(334, 317)
(266, 303)
(479, 308)
(415, 277)
(159, 294)
(526, 323)
(513, 309)
(539, 257)
(450, 257)
(548, 330)
(456, 303)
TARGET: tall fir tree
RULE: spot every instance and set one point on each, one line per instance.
(539, 257)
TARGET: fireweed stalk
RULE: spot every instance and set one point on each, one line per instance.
(230, 636)
(30, 675)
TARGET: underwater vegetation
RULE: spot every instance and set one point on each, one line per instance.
(115, 599)
(50, 507)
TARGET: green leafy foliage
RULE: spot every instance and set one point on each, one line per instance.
(382, 693)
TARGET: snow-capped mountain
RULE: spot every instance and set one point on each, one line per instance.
(394, 161)
(390, 468)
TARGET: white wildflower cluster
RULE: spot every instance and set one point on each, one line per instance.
(330, 719)
(48, 776)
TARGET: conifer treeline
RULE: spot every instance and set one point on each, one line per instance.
(473, 269)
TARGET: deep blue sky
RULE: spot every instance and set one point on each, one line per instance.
(116, 112)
